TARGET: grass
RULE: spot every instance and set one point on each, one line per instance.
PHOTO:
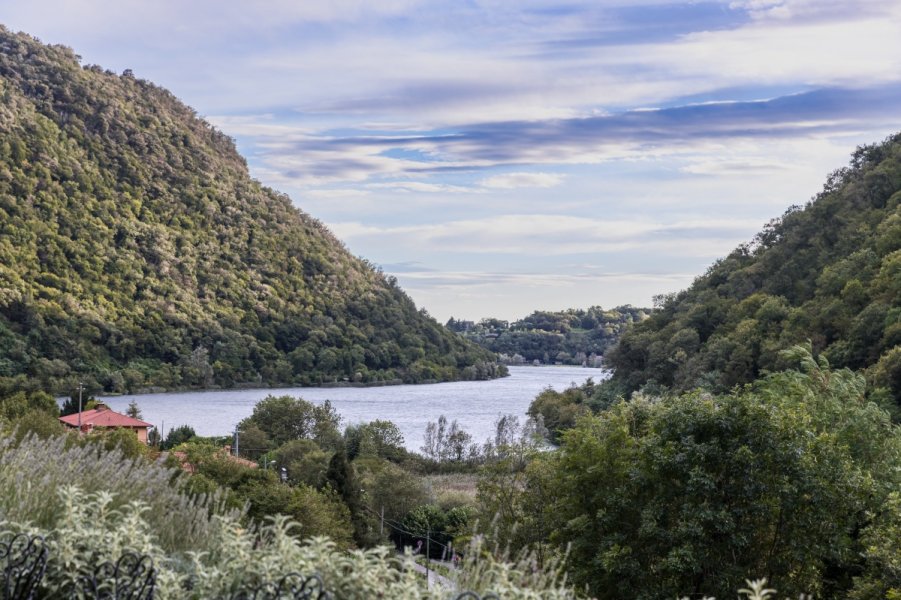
(452, 489)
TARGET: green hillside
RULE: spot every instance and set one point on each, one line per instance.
(829, 272)
(570, 337)
(136, 250)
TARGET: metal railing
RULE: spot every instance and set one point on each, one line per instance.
(24, 560)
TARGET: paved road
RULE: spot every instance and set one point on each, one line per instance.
(433, 577)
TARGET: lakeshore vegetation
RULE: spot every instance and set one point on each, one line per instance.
(568, 337)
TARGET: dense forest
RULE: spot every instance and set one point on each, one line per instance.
(829, 272)
(136, 251)
(569, 337)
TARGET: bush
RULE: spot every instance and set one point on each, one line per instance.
(33, 472)
(791, 477)
(91, 531)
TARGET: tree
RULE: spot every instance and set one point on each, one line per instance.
(559, 411)
(20, 403)
(133, 410)
(305, 462)
(285, 418)
(253, 442)
(342, 479)
(391, 489)
(377, 438)
(38, 423)
(178, 435)
(70, 405)
(692, 494)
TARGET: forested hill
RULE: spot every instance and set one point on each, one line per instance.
(829, 272)
(570, 337)
(136, 250)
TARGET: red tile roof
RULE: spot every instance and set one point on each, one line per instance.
(103, 417)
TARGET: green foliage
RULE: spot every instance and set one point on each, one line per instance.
(284, 418)
(304, 461)
(432, 530)
(377, 438)
(178, 435)
(92, 529)
(829, 273)
(71, 405)
(791, 477)
(138, 253)
(16, 405)
(560, 410)
(97, 531)
(317, 513)
(264, 495)
(253, 442)
(507, 515)
(125, 440)
(37, 423)
(520, 575)
(573, 336)
(133, 410)
(389, 490)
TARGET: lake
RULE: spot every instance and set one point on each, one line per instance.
(475, 404)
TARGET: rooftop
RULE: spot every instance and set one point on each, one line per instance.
(102, 416)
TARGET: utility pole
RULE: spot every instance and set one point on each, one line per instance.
(80, 388)
(236, 442)
(428, 554)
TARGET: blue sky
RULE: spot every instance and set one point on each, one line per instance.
(502, 156)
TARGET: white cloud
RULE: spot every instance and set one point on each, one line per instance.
(422, 187)
(555, 235)
(808, 9)
(509, 181)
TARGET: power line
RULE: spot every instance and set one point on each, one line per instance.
(397, 527)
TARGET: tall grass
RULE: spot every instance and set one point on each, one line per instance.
(33, 471)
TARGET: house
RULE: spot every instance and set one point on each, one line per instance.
(105, 418)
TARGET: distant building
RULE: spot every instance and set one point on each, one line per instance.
(103, 417)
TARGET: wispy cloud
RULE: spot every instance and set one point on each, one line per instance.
(550, 234)
(510, 181)
(311, 159)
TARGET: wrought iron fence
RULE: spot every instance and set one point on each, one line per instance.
(132, 577)
(292, 586)
(24, 560)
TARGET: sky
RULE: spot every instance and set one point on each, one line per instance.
(505, 156)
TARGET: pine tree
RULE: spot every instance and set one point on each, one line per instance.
(133, 410)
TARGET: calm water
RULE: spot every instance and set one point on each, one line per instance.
(475, 404)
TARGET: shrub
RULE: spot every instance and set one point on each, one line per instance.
(33, 472)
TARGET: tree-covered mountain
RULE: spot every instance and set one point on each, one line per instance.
(571, 337)
(136, 250)
(829, 272)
